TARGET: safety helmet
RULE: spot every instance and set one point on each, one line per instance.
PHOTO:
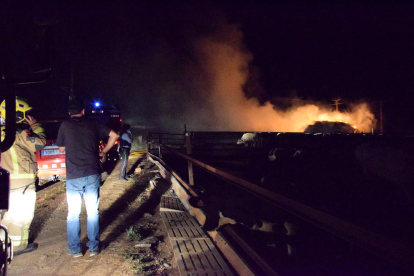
(22, 108)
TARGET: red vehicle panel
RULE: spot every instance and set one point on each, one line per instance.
(51, 163)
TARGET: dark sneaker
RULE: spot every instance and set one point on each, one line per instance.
(94, 252)
(29, 248)
(76, 255)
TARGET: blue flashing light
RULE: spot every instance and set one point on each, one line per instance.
(97, 104)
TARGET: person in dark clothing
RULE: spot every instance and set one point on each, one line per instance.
(124, 150)
(79, 138)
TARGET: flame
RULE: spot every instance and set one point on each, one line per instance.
(267, 118)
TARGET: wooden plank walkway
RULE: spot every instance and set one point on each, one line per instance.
(193, 249)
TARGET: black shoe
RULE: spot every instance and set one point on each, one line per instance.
(94, 252)
(98, 250)
(76, 255)
(29, 248)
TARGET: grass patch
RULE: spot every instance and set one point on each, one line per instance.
(39, 206)
(138, 233)
(130, 255)
(142, 261)
(144, 269)
(134, 233)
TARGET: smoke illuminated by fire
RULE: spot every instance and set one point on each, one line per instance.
(224, 68)
(198, 80)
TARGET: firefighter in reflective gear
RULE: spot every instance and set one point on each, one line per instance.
(20, 161)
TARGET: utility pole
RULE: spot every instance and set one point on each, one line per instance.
(70, 89)
(337, 103)
(72, 94)
(381, 119)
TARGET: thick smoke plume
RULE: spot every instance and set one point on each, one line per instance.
(224, 63)
(189, 67)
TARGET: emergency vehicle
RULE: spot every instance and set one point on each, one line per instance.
(106, 114)
(50, 162)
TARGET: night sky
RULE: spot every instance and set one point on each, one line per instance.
(149, 58)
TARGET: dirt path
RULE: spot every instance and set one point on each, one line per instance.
(128, 214)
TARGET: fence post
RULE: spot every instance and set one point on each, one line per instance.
(190, 164)
(148, 143)
(159, 151)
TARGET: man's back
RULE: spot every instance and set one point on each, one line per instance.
(80, 137)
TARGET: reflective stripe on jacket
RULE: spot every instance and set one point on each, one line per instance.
(20, 159)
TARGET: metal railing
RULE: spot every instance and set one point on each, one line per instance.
(398, 254)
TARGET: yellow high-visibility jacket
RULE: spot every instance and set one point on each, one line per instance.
(20, 159)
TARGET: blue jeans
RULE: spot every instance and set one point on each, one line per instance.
(75, 188)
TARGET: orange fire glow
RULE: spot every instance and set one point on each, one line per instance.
(225, 62)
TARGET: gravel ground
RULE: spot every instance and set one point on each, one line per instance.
(132, 232)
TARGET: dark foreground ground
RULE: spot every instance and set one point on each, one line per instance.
(128, 215)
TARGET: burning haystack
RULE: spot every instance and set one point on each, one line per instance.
(329, 127)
